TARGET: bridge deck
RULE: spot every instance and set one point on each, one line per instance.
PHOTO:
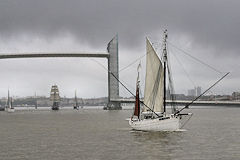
(183, 102)
(39, 55)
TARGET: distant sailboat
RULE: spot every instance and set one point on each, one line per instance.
(82, 103)
(76, 105)
(2, 108)
(9, 106)
(36, 104)
(54, 96)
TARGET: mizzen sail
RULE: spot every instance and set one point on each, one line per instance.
(154, 87)
(137, 104)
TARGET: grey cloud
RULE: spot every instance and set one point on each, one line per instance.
(207, 22)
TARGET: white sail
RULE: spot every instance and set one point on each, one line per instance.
(54, 94)
(154, 87)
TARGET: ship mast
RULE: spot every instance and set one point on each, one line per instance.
(164, 67)
(76, 98)
(8, 100)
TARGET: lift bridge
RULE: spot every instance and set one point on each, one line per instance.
(111, 55)
(114, 101)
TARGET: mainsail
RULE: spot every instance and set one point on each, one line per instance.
(154, 87)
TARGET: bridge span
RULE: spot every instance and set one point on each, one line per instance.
(113, 68)
(54, 55)
(184, 102)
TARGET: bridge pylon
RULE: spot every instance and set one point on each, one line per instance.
(113, 68)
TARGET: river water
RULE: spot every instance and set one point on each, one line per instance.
(95, 134)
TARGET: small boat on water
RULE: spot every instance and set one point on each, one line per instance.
(82, 103)
(54, 97)
(2, 108)
(76, 105)
(153, 116)
(9, 106)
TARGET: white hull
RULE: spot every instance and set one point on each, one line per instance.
(10, 110)
(173, 123)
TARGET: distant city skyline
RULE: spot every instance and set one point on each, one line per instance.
(196, 91)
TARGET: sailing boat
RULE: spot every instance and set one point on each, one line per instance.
(9, 106)
(54, 96)
(36, 102)
(76, 105)
(154, 116)
(82, 103)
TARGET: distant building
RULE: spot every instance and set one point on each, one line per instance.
(195, 92)
(179, 96)
(236, 95)
(199, 91)
(191, 92)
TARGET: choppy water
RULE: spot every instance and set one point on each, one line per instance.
(212, 133)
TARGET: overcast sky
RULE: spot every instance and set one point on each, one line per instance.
(206, 29)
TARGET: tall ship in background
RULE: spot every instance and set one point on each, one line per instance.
(9, 105)
(54, 97)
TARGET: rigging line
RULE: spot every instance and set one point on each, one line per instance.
(202, 93)
(186, 53)
(99, 64)
(171, 94)
(131, 92)
(158, 48)
(132, 63)
(170, 71)
(174, 107)
(107, 70)
(188, 76)
(124, 86)
(186, 121)
(127, 84)
(139, 58)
